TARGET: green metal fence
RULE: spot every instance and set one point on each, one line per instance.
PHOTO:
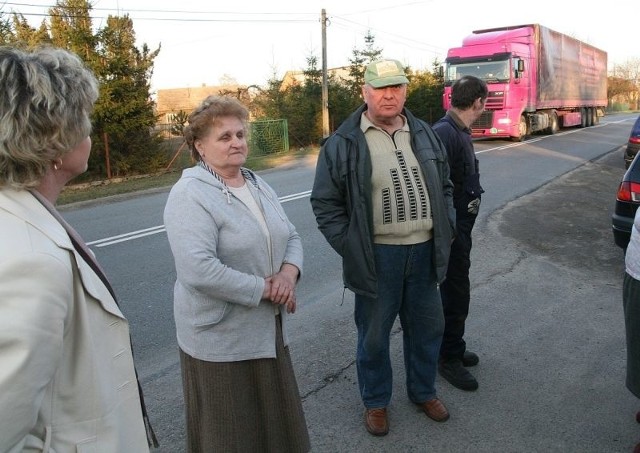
(268, 137)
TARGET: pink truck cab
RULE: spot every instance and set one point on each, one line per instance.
(539, 80)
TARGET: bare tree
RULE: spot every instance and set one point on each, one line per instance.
(630, 71)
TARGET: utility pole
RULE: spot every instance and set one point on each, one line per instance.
(105, 137)
(325, 81)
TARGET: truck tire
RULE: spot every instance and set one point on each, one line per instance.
(583, 117)
(553, 123)
(523, 130)
(589, 117)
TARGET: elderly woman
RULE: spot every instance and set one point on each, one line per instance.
(67, 381)
(237, 260)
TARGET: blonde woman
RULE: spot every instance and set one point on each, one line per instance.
(67, 380)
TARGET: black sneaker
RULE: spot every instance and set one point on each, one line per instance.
(457, 375)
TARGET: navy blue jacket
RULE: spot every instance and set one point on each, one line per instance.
(463, 164)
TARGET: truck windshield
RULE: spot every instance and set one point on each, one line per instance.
(489, 71)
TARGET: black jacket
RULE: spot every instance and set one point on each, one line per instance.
(341, 198)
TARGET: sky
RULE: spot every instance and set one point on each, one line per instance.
(251, 41)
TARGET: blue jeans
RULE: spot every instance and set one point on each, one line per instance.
(407, 287)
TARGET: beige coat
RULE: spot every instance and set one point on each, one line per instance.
(67, 382)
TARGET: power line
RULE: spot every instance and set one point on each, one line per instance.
(312, 16)
(177, 19)
(204, 16)
(376, 10)
(250, 19)
(261, 13)
(348, 25)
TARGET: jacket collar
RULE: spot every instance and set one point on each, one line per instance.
(27, 207)
(23, 204)
(453, 118)
(351, 125)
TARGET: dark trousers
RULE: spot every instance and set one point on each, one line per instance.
(455, 290)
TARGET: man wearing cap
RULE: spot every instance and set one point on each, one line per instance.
(383, 200)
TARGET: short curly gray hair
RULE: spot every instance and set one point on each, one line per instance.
(46, 100)
(203, 117)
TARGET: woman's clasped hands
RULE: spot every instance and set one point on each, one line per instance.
(280, 288)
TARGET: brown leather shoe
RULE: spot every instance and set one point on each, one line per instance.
(376, 421)
(435, 410)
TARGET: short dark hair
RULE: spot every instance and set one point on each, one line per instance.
(466, 90)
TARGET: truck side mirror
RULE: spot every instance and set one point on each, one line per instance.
(519, 70)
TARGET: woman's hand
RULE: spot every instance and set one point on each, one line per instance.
(283, 287)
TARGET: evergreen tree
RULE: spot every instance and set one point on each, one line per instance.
(308, 127)
(71, 28)
(424, 94)
(341, 103)
(357, 64)
(299, 103)
(6, 31)
(178, 123)
(26, 35)
(269, 103)
(125, 110)
(123, 117)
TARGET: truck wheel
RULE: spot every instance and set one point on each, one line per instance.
(523, 130)
(589, 117)
(553, 123)
(583, 117)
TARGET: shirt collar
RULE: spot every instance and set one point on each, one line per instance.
(365, 123)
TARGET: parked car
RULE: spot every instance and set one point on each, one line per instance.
(627, 202)
(633, 145)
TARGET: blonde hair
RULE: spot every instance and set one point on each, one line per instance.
(203, 117)
(46, 100)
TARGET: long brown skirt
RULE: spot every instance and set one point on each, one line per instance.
(247, 406)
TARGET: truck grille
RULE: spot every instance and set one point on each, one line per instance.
(484, 122)
(495, 100)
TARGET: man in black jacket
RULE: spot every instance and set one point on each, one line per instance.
(383, 200)
(468, 96)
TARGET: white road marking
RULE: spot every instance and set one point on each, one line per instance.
(161, 229)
